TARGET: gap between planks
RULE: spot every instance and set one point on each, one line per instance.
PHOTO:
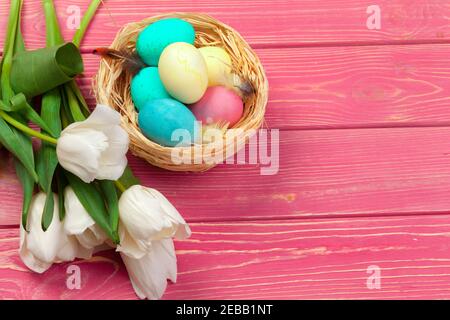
(301, 45)
(318, 217)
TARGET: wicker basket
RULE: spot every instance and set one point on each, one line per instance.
(112, 87)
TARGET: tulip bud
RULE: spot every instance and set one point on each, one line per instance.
(39, 249)
(96, 147)
(148, 221)
(149, 274)
(79, 223)
(146, 215)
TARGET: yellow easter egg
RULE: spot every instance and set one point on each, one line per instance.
(183, 72)
(218, 62)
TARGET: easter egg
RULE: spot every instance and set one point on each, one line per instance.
(146, 86)
(218, 62)
(219, 105)
(156, 37)
(183, 72)
(159, 119)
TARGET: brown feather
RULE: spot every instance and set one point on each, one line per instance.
(130, 60)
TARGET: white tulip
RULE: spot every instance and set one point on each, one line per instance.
(146, 215)
(78, 222)
(71, 249)
(96, 147)
(149, 274)
(40, 249)
(148, 221)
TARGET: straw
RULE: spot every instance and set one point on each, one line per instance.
(112, 87)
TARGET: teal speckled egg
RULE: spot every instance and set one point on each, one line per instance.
(146, 86)
(159, 119)
(156, 37)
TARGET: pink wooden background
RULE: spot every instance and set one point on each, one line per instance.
(364, 160)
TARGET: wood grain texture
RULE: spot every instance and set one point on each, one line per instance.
(287, 23)
(321, 173)
(294, 259)
(349, 87)
(344, 198)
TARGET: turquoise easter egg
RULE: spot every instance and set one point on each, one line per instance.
(168, 122)
(156, 37)
(146, 86)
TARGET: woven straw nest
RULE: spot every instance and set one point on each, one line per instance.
(112, 87)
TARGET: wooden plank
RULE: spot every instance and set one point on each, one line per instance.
(350, 87)
(312, 259)
(321, 173)
(263, 22)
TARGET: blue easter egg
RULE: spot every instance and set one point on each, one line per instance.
(146, 86)
(156, 37)
(159, 119)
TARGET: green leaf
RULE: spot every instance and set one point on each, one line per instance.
(61, 182)
(74, 104)
(19, 103)
(8, 50)
(47, 215)
(12, 43)
(5, 107)
(38, 71)
(46, 162)
(46, 158)
(65, 122)
(66, 114)
(26, 145)
(27, 185)
(112, 203)
(53, 32)
(19, 44)
(45, 167)
(92, 200)
(50, 110)
(82, 102)
(87, 18)
(19, 145)
(128, 179)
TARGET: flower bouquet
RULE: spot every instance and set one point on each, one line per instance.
(78, 193)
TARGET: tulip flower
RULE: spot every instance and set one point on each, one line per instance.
(79, 223)
(40, 249)
(96, 147)
(149, 274)
(146, 215)
(148, 221)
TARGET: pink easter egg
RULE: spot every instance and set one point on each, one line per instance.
(218, 104)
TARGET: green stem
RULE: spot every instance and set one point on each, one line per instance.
(8, 50)
(53, 31)
(20, 126)
(120, 186)
(87, 18)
